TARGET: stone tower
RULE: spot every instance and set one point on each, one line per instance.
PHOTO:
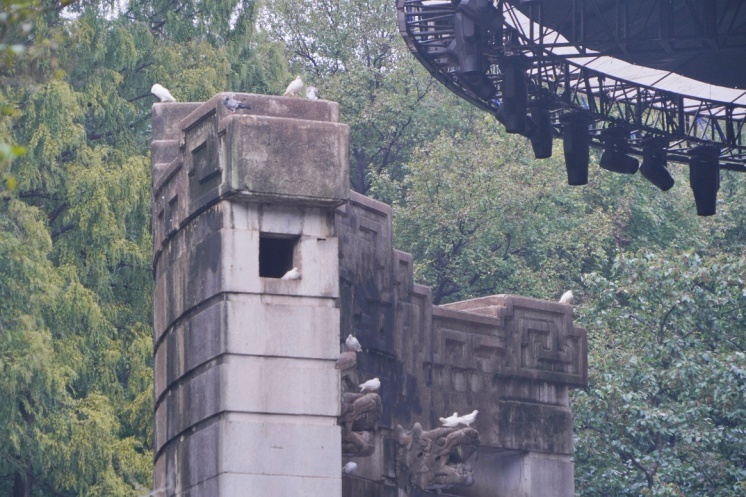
(246, 393)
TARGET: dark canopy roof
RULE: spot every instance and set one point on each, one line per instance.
(701, 39)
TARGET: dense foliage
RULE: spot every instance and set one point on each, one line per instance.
(660, 290)
(75, 246)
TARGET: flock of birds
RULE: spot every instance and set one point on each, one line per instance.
(230, 103)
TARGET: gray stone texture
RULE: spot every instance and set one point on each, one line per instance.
(247, 396)
(512, 358)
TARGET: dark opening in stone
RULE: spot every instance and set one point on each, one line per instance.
(276, 254)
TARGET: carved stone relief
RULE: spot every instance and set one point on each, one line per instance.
(435, 459)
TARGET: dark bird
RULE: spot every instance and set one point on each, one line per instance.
(233, 105)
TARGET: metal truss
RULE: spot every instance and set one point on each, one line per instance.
(563, 85)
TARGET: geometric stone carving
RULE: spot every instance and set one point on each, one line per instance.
(435, 459)
(531, 339)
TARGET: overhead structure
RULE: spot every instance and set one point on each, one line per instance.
(569, 66)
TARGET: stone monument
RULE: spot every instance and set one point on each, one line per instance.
(248, 399)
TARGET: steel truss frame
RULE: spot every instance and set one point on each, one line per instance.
(562, 85)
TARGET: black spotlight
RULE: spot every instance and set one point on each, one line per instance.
(576, 142)
(614, 156)
(704, 177)
(513, 112)
(654, 160)
(541, 138)
(466, 47)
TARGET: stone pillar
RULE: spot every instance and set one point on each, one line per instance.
(246, 394)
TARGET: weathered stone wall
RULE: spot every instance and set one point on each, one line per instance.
(512, 358)
(246, 390)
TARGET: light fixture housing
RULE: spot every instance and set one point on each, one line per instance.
(466, 48)
(541, 137)
(704, 177)
(513, 113)
(615, 155)
(576, 145)
(654, 162)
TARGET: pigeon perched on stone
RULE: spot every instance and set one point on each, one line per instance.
(294, 87)
(450, 421)
(371, 385)
(162, 93)
(353, 344)
(233, 105)
(468, 419)
(349, 468)
(566, 297)
(347, 360)
(293, 274)
(312, 93)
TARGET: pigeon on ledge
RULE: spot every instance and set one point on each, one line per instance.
(293, 274)
(293, 88)
(450, 421)
(162, 93)
(371, 385)
(353, 344)
(566, 297)
(468, 419)
(233, 105)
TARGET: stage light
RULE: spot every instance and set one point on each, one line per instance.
(614, 156)
(576, 143)
(541, 137)
(654, 160)
(704, 177)
(513, 111)
(466, 47)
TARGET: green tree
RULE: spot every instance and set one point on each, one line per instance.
(353, 52)
(75, 246)
(665, 412)
(482, 217)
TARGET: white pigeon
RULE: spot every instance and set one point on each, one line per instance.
(294, 87)
(349, 468)
(293, 274)
(468, 419)
(312, 93)
(566, 297)
(450, 421)
(353, 344)
(162, 93)
(371, 385)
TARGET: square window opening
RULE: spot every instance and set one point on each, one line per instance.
(276, 253)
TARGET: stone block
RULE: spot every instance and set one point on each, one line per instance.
(289, 160)
(248, 325)
(296, 453)
(281, 445)
(236, 485)
(521, 474)
(248, 384)
(166, 118)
